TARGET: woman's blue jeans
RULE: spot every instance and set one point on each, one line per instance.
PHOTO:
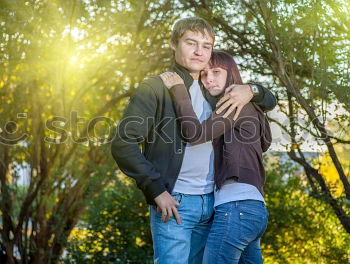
(235, 233)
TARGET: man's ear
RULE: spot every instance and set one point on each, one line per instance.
(172, 46)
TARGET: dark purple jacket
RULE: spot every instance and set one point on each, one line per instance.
(238, 145)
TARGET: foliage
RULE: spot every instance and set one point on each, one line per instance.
(114, 229)
(67, 71)
(302, 229)
(300, 49)
(68, 68)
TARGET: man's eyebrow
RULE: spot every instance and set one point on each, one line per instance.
(208, 43)
(205, 43)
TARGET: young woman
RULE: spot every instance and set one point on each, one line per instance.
(240, 216)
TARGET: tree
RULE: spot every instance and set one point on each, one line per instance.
(301, 48)
(302, 228)
(68, 70)
(114, 229)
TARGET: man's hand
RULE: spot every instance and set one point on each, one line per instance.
(167, 205)
(170, 79)
(236, 96)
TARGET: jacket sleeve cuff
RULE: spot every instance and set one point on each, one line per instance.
(155, 188)
(258, 97)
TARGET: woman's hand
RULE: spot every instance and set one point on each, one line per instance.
(170, 79)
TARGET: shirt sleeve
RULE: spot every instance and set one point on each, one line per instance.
(131, 131)
(192, 130)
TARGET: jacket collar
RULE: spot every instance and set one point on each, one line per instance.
(188, 80)
(183, 73)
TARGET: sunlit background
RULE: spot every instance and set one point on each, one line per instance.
(68, 69)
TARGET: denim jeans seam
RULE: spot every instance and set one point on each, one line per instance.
(263, 227)
(226, 230)
(160, 243)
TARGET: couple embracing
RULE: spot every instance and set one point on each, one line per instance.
(202, 133)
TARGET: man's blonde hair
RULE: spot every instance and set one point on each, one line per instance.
(195, 24)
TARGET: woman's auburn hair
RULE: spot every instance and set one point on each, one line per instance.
(224, 60)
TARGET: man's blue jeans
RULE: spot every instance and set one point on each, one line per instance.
(182, 244)
(235, 233)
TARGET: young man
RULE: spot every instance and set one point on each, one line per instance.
(176, 179)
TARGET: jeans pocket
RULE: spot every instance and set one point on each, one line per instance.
(224, 208)
(252, 222)
(253, 211)
(154, 214)
(177, 197)
(222, 216)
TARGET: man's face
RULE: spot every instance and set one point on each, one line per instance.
(193, 50)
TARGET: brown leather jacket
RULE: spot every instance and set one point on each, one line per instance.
(238, 145)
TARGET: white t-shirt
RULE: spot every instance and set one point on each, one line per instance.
(197, 171)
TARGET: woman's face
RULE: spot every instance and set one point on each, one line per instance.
(214, 79)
